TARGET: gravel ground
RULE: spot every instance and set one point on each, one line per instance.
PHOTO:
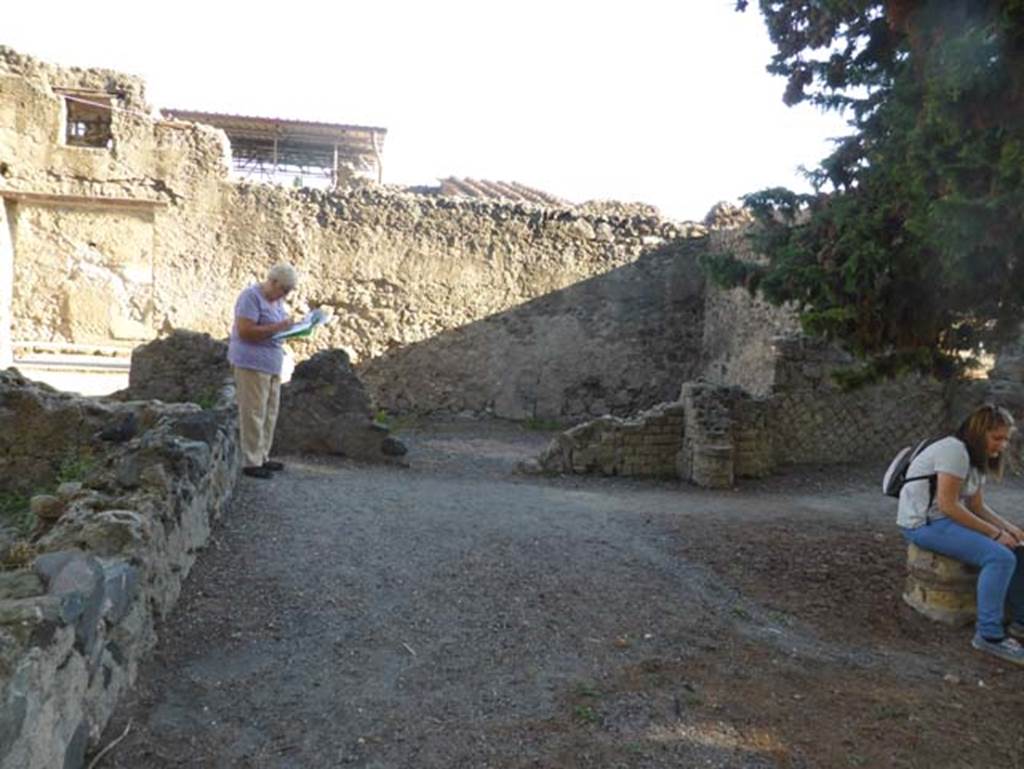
(457, 614)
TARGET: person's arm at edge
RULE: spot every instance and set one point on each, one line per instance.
(947, 499)
(986, 513)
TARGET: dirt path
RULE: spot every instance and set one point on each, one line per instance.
(456, 614)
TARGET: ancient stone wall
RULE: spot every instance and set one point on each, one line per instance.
(718, 433)
(737, 346)
(611, 344)
(813, 420)
(110, 549)
(710, 435)
(443, 304)
(84, 221)
(646, 445)
(481, 306)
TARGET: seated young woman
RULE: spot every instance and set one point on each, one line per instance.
(944, 510)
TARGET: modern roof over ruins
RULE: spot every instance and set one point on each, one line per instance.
(267, 147)
(481, 188)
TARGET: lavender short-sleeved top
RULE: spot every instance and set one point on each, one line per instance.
(266, 355)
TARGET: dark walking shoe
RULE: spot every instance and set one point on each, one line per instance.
(273, 465)
(256, 472)
(1007, 649)
(1016, 629)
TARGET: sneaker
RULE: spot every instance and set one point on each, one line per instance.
(1016, 629)
(273, 465)
(1007, 649)
(256, 472)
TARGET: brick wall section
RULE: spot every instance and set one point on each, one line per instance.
(813, 421)
(727, 434)
(645, 446)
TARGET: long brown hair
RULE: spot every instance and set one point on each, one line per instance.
(974, 430)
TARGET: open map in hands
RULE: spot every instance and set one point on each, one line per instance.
(320, 316)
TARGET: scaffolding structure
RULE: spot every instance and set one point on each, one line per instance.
(277, 150)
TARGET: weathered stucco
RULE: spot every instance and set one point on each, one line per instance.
(443, 304)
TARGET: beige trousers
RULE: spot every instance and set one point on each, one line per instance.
(258, 396)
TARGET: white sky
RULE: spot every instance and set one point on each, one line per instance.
(664, 102)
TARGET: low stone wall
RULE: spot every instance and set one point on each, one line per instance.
(719, 433)
(710, 436)
(79, 601)
(645, 446)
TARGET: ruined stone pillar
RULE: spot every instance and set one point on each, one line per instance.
(941, 588)
(6, 288)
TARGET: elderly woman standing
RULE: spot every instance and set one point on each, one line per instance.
(257, 358)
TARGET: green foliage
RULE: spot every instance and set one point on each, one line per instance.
(15, 513)
(75, 465)
(909, 252)
(396, 422)
(587, 714)
(542, 425)
(207, 400)
(587, 689)
(18, 555)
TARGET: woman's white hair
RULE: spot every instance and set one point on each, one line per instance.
(283, 275)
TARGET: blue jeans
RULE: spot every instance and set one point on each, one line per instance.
(1001, 581)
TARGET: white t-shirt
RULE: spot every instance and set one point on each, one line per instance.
(948, 455)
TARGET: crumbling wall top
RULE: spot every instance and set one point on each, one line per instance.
(129, 90)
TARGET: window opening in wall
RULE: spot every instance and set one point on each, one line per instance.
(88, 122)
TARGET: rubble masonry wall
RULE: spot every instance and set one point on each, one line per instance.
(79, 606)
(443, 304)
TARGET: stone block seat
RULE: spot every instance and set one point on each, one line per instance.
(941, 588)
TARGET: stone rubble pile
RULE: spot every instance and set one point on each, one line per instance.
(325, 410)
(726, 216)
(184, 366)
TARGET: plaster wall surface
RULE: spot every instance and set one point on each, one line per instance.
(443, 304)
